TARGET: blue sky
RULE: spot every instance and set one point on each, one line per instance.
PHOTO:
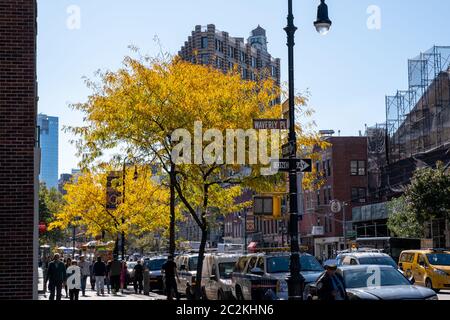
(348, 72)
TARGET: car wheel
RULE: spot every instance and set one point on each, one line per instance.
(239, 295)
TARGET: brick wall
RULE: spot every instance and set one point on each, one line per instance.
(17, 141)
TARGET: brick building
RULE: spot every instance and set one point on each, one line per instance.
(18, 151)
(343, 168)
(209, 46)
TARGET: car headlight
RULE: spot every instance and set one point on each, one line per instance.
(435, 297)
(440, 272)
(282, 286)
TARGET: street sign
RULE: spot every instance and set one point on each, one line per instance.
(288, 149)
(335, 206)
(270, 124)
(286, 165)
(251, 227)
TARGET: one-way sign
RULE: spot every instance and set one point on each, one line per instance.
(286, 165)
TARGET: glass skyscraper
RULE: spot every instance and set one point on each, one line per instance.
(49, 136)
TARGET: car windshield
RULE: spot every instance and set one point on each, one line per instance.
(193, 263)
(281, 264)
(383, 261)
(363, 278)
(439, 259)
(226, 269)
(156, 264)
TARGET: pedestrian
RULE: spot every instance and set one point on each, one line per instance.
(56, 277)
(74, 281)
(100, 273)
(115, 270)
(138, 277)
(91, 274)
(169, 269)
(123, 276)
(45, 263)
(146, 278)
(85, 272)
(107, 277)
(67, 264)
(331, 285)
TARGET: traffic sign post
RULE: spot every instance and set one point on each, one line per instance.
(270, 124)
(287, 165)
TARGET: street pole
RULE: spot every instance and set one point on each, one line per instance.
(245, 231)
(73, 243)
(295, 280)
(123, 219)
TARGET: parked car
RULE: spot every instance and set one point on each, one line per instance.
(367, 258)
(263, 276)
(361, 284)
(430, 268)
(216, 276)
(154, 266)
(187, 273)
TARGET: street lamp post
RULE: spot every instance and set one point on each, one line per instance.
(295, 280)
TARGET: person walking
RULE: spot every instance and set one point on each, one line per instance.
(123, 276)
(67, 264)
(45, 263)
(331, 285)
(100, 273)
(138, 277)
(107, 277)
(74, 281)
(114, 275)
(169, 269)
(146, 278)
(56, 277)
(92, 275)
(85, 272)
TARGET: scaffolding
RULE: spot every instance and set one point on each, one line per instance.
(418, 119)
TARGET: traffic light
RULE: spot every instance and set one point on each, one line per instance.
(277, 207)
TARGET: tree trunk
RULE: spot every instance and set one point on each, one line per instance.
(172, 210)
(201, 256)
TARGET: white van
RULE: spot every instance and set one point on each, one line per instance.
(216, 276)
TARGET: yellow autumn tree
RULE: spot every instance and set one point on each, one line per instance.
(143, 105)
(145, 208)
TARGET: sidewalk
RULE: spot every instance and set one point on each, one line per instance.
(128, 295)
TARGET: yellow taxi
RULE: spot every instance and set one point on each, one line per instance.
(430, 268)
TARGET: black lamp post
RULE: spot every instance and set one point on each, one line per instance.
(295, 280)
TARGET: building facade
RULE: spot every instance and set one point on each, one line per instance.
(18, 151)
(342, 168)
(209, 46)
(49, 142)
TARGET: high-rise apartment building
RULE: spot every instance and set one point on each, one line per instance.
(209, 46)
(49, 133)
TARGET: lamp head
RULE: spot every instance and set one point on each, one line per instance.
(323, 23)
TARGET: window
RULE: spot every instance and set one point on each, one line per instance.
(317, 167)
(204, 42)
(219, 45)
(329, 194)
(318, 198)
(358, 168)
(205, 58)
(251, 264)
(242, 56)
(254, 62)
(329, 167)
(359, 195)
(274, 71)
(325, 196)
(260, 263)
